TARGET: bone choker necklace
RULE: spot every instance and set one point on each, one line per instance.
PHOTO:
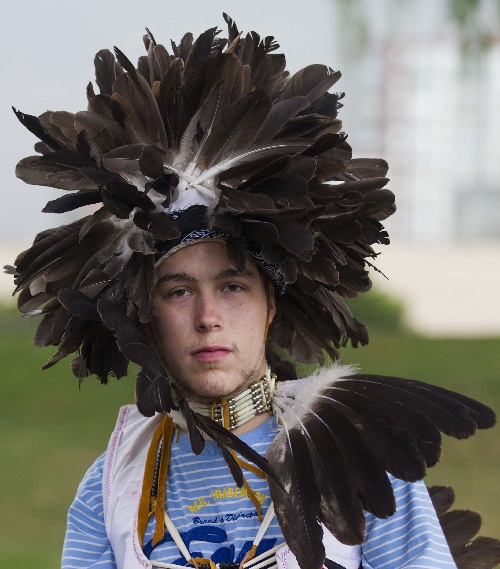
(232, 413)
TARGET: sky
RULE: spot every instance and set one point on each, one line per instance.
(48, 51)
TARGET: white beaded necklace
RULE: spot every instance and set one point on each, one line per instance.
(255, 400)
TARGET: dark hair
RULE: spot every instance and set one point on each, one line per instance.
(283, 368)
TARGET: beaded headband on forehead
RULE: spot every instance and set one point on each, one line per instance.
(166, 248)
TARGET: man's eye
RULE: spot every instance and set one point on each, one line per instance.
(233, 287)
(178, 293)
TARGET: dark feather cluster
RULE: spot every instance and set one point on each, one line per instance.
(460, 528)
(350, 431)
(221, 119)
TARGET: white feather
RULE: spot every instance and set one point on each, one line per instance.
(293, 399)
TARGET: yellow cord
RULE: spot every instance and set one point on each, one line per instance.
(149, 505)
(168, 431)
(250, 554)
(268, 315)
(202, 561)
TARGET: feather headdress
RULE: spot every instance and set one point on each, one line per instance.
(212, 124)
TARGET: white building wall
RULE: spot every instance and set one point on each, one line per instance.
(414, 98)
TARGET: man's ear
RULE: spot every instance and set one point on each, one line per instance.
(271, 303)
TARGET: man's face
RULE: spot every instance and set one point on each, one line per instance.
(210, 321)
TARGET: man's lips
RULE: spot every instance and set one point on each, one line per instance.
(210, 353)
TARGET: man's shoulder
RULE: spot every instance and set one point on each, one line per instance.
(131, 419)
(132, 433)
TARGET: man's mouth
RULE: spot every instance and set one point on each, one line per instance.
(210, 353)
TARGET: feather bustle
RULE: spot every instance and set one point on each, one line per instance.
(460, 527)
(350, 429)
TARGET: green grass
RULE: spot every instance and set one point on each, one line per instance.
(52, 430)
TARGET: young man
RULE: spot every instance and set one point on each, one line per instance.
(210, 329)
(233, 221)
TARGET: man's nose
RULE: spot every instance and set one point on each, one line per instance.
(207, 313)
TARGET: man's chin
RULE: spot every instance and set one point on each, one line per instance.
(212, 385)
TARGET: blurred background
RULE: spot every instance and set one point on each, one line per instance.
(422, 84)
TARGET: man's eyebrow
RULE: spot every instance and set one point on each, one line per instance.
(231, 273)
(184, 277)
(175, 277)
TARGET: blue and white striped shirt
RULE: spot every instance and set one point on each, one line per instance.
(217, 520)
